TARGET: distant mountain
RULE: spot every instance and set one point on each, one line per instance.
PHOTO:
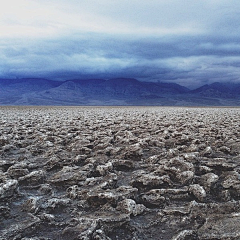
(26, 85)
(117, 91)
(219, 90)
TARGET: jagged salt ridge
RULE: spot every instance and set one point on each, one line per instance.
(119, 173)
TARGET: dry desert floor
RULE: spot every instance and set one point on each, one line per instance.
(102, 173)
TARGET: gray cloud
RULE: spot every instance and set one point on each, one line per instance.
(180, 41)
(181, 60)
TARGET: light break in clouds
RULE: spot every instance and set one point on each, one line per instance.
(190, 42)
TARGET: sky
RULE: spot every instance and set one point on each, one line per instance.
(189, 42)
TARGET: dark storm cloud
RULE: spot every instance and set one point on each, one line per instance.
(179, 59)
(181, 41)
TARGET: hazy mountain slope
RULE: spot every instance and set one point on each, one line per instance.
(14, 90)
(219, 90)
(17, 87)
(118, 91)
(106, 91)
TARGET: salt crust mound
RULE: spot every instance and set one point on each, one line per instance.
(119, 173)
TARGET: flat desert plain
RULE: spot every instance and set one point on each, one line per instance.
(102, 173)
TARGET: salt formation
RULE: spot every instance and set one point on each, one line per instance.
(119, 173)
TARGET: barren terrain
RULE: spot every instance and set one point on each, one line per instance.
(119, 173)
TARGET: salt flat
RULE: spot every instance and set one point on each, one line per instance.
(119, 173)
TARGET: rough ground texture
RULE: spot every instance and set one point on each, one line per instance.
(119, 173)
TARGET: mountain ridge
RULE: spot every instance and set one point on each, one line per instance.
(115, 91)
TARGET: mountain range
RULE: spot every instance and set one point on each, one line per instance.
(117, 91)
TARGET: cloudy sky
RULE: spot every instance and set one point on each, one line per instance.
(190, 42)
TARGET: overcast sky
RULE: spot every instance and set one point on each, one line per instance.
(190, 42)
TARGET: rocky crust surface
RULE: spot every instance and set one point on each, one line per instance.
(119, 173)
